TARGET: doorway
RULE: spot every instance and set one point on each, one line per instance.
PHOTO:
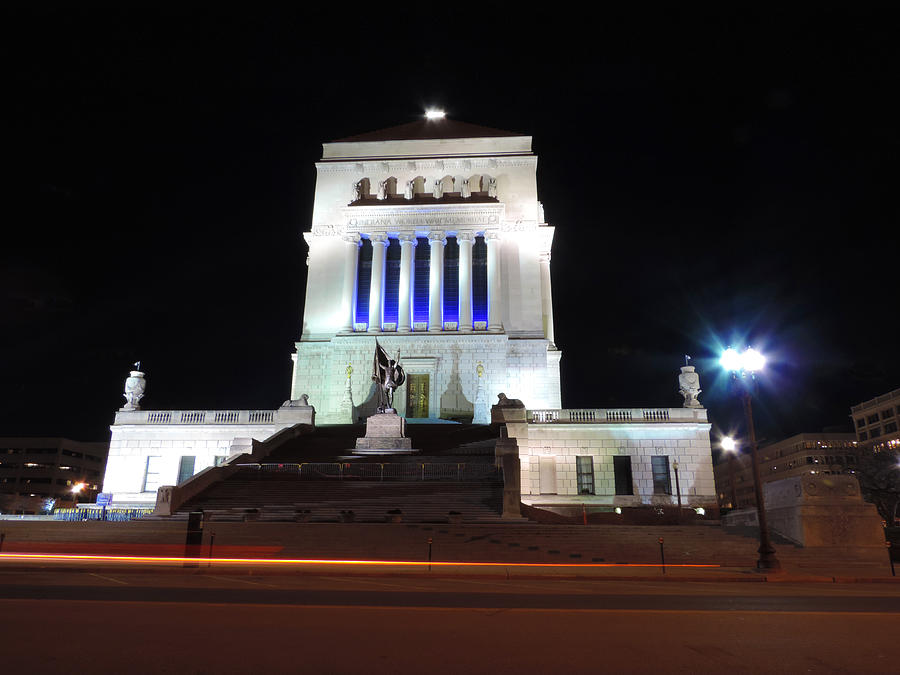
(417, 394)
(548, 475)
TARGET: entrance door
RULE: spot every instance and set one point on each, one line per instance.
(548, 475)
(417, 395)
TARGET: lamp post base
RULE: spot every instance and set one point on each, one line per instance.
(767, 560)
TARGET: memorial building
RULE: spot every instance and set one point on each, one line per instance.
(429, 241)
(431, 237)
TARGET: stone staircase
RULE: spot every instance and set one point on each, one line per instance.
(290, 499)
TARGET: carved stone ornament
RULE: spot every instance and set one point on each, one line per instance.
(689, 387)
(135, 385)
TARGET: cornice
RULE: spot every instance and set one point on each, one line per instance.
(414, 166)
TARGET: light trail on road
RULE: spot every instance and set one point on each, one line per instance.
(60, 557)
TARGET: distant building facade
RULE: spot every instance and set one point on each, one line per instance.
(34, 470)
(806, 453)
(877, 421)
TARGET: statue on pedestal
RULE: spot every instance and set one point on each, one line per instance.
(388, 374)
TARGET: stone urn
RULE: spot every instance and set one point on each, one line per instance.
(135, 386)
(689, 387)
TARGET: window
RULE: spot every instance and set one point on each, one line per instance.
(874, 432)
(451, 280)
(887, 413)
(363, 282)
(421, 266)
(479, 281)
(890, 427)
(863, 436)
(185, 468)
(662, 485)
(584, 467)
(220, 460)
(392, 281)
(871, 419)
(860, 422)
(622, 473)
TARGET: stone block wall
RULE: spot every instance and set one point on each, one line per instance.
(451, 361)
(688, 443)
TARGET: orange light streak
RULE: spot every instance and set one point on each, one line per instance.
(310, 561)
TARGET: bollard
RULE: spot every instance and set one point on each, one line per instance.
(193, 537)
(890, 558)
(430, 541)
(212, 538)
(662, 555)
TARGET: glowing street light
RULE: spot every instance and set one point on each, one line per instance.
(748, 361)
(743, 367)
(433, 114)
(76, 490)
(729, 445)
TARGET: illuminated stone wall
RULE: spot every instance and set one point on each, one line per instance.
(679, 434)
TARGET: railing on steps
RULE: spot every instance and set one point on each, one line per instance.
(382, 471)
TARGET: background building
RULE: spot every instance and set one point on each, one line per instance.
(33, 470)
(876, 421)
(807, 453)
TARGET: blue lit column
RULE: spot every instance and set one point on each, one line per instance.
(404, 303)
(436, 282)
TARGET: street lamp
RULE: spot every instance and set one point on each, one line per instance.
(743, 367)
(76, 489)
(677, 487)
(729, 445)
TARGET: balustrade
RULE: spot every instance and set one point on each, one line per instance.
(604, 416)
(188, 417)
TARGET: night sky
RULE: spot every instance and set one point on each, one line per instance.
(712, 179)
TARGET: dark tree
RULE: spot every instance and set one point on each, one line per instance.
(879, 480)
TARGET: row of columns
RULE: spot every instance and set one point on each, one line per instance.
(408, 242)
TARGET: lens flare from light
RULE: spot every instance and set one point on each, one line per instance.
(433, 114)
(752, 360)
(728, 444)
(730, 359)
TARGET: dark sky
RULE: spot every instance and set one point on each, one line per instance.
(712, 177)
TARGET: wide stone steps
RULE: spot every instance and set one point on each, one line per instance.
(281, 499)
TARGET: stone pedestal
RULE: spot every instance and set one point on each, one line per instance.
(821, 512)
(385, 435)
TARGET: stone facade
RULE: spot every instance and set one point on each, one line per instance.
(450, 361)
(549, 441)
(147, 448)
